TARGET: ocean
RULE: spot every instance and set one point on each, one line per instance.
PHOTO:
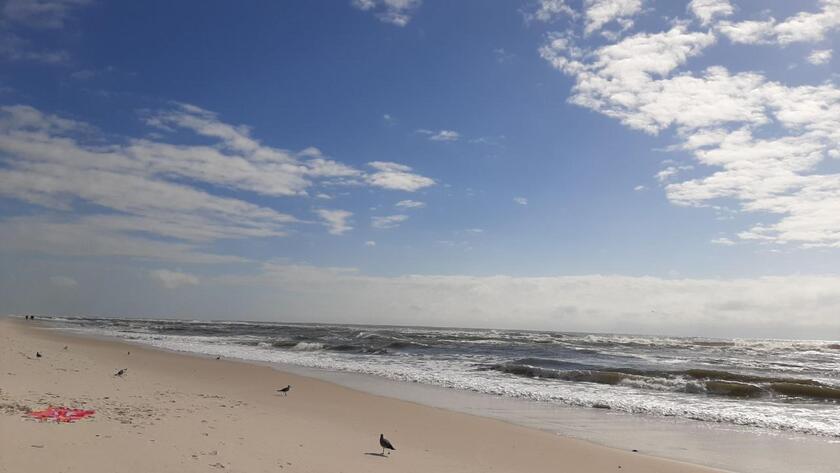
(767, 385)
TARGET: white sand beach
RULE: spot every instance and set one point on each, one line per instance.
(174, 412)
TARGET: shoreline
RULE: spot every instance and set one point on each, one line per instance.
(226, 411)
(717, 444)
(714, 445)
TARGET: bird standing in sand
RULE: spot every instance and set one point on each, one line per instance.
(385, 443)
(285, 390)
(121, 372)
(37, 354)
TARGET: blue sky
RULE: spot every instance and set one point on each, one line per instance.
(355, 161)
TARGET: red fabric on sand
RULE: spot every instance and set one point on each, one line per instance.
(61, 414)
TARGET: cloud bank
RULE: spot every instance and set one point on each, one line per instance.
(767, 306)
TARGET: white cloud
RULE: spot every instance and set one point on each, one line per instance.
(149, 192)
(549, 10)
(722, 241)
(445, 135)
(336, 220)
(82, 237)
(173, 279)
(395, 12)
(640, 188)
(238, 160)
(15, 48)
(441, 135)
(621, 79)
(370, 243)
(395, 176)
(410, 204)
(17, 15)
(520, 200)
(820, 56)
(47, 165)
(801, 27)
(748, 32)
(310, 152)
(600, 12)
(388, 221)
(671, 171)
(708, 10)
(764, 141)
(41, 13)
(64, 281)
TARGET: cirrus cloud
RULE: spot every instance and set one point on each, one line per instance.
(156, 197)
(387, 221)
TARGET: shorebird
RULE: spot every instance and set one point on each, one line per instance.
(384, 443)
(285, 390)
(37, 354)
(121, 372)
(218, 357)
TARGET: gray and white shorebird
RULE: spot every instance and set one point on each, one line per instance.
(285, 390)
(385, 443)
(121, 372)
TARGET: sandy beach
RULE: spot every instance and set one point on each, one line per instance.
(175, 412)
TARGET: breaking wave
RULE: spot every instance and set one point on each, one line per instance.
(768, 384)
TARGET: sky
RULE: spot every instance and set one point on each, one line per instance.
(632, 166)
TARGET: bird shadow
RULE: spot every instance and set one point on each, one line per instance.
(376, 454)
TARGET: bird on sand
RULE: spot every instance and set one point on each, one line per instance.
(385, 443)
(285, 390)
(121, 372)
(218, 357)
(37, 354)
